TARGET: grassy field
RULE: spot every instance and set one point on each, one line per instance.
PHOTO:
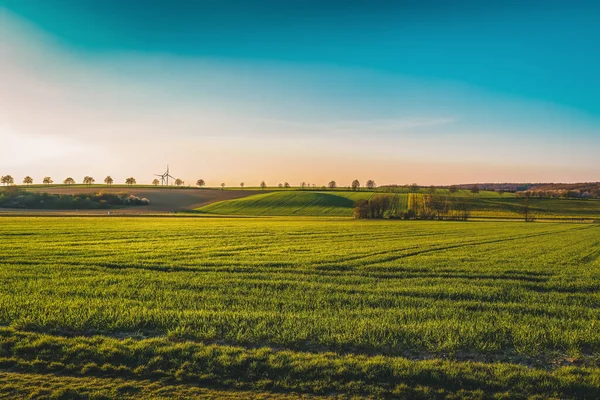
(511, 207)
(341, 203)
(297, 202)
(162, 199)
(257, 307)
(338, 202)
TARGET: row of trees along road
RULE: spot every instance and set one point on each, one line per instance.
(88, 180)
(356, 185)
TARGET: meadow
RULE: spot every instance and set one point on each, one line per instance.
(341, 203)
(258, 307)
(291, 202)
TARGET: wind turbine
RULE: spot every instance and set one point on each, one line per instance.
(164, 178)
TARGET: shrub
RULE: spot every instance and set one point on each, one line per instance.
(16, 198)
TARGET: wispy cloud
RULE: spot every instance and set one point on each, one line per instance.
(61, 111)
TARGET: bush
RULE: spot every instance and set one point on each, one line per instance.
(17, 198)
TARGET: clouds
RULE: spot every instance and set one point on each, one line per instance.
(63, 110)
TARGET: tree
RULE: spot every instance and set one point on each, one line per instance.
(375, 207)
(286, 185)
(28, 180)
(178, 182)
(69, 181)
(525, 210)
(355, 184)
(47, 180)
(155, 182)
(8, 180)
(222, 185)
(109, 180)
(303, 185)
(130, 181)
(280, 185)
(453, 189)
(88, 180)
(242, 185)
(475, 190)
(332, 185)
(263, 185)
(370, 184)
(200, 183)
(414, 188)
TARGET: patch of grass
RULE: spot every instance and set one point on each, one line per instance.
(176, 363)
(53, 385)
(292, 202)
(315, 306)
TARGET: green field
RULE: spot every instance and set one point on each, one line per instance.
(340, 203)
(294, 202)
(241, 308)
(509, 206)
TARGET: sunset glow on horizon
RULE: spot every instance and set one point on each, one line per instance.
(398, 92)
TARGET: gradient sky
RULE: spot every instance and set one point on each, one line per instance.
(433, 92)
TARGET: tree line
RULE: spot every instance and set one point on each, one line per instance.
(88, 180)
(426, 207)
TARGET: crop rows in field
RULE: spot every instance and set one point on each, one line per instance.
(311, 305)
(297, 203)
(340, 203)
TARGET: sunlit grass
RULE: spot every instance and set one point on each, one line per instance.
(308, 305)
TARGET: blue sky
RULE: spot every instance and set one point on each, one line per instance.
(427, 91)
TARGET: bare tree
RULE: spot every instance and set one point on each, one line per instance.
(130, 181)
(263, 185)
(222, 185)
(155, 182)
(332, 185)
(286, 185)
(69, 181)
(109, 180)
(303, 185)
(28, 180)
(200, 183)
(355, 184)
(7, 180)
(371, 184)
(525, 210)
(47, 180)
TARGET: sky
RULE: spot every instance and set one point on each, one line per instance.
(432, 92)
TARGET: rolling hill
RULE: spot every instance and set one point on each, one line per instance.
(293, 202)
(341, 203)
(162, 199)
